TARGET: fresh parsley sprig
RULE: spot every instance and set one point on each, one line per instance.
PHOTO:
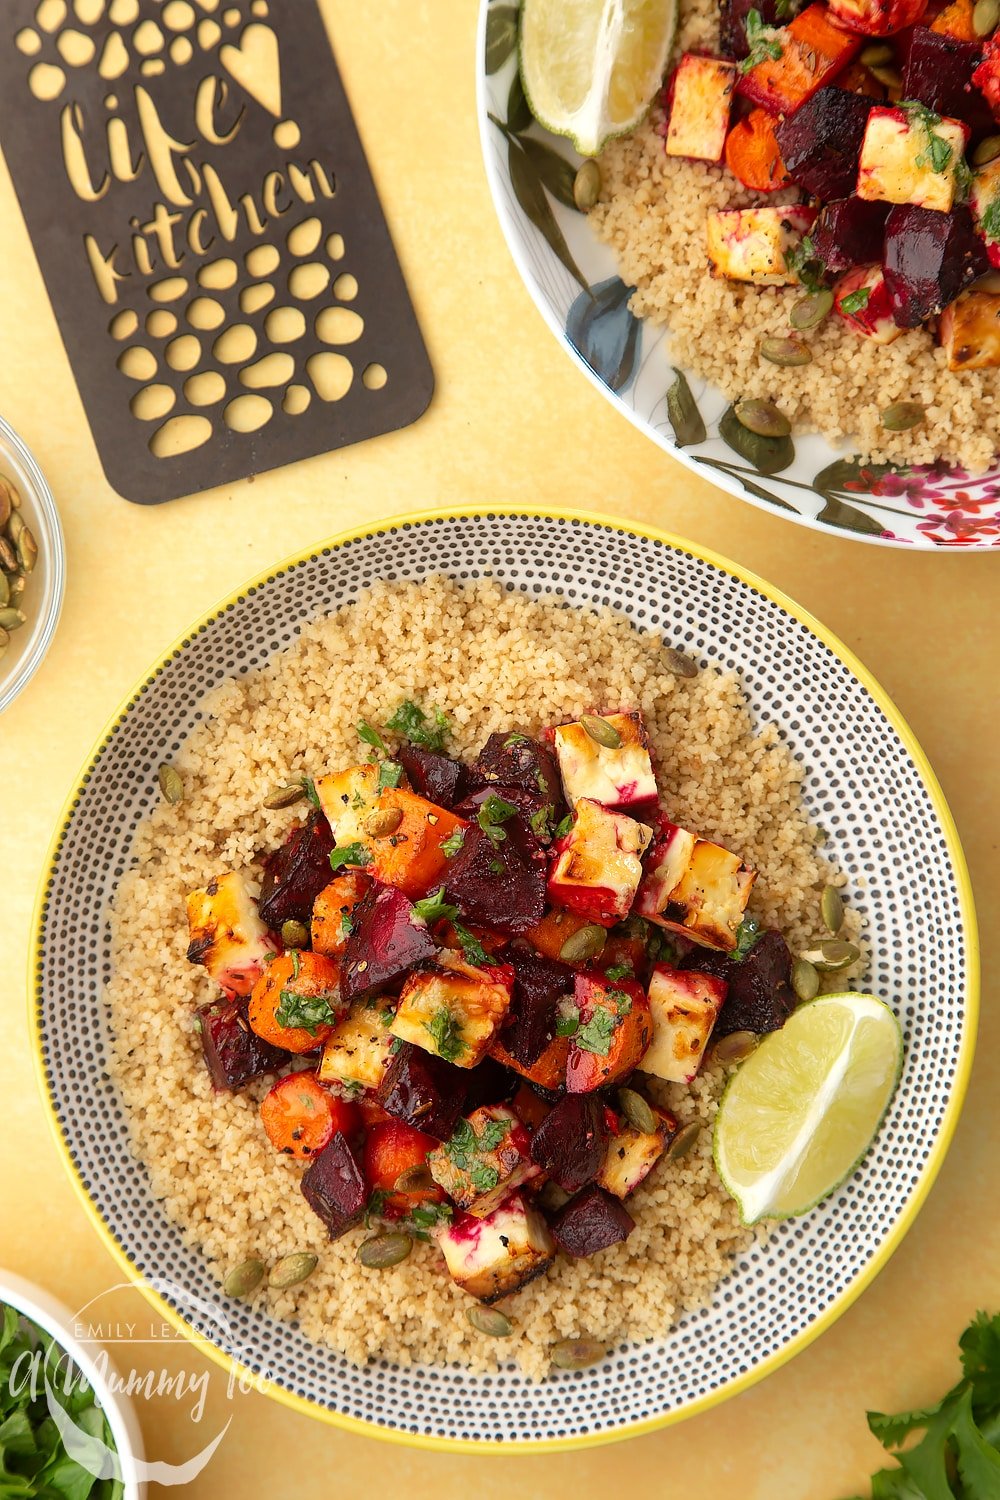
(763, 41)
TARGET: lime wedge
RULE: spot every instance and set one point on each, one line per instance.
(590, 68)
(804, 1108)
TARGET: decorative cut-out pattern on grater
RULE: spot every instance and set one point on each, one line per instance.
(209, 234)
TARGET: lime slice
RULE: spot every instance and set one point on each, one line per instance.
(590, 68)
(804, 1108)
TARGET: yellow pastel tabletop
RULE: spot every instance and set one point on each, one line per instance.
(513, 422)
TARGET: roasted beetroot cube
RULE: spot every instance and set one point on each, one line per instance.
(499, 883)
(849, 233)
(928, 259)
(516, 760)
(570, 1143)
(759, 997)
(591, 1221)
(388, 940)
(539, 985)
(295, 874)
(733, 21)
(440, 779)
(821, 142)
(489, 1082)
(334, 1186)
(233, 1053)
(424, 1091)
(938, 71)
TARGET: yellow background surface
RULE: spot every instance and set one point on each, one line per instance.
(512, 423)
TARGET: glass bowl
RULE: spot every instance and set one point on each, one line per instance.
(43, 596)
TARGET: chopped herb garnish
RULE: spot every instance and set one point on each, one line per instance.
(357, 802)
(855, 301)
(453, 843)
(390, 774)
(620, 971)
(516, 739)
(387, 1016)
(415, 725)
(309, 787)
(310, 1012)
(371, 737)
(493, 1134)
(484, 1178)
(492, 814)
(763, 42)
(447, 1037)
(349, 854)
(395, 1045)
(435, 908)
(622, 1000)
(989, 219)
(568, 1025)
(496, 868)
(460, 1145)
(464, 1146)
(472, 949)
(346, 925)
(746, 935)
(541, 821)
(375, 1205)
(427, 1215)
(806, 265)
(595, 1035)
(563, 826)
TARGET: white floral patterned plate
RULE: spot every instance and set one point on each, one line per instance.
(572, 277)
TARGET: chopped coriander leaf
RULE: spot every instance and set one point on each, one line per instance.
(496, 868)
(620, 971)
(541, 821)
(563, 826)
(447, 1037)
(595, 1035)
(460, 1145)
(390, 774)
(453, 843)
(516, 739)
(357, 802)
(763, 42)
(387, 1016)
(472, 949)
(493, 1134)
(395, 1045)
(427, 1215)
(568, 1025)
(621, 999)
(802, 259)
(415, 725)
(484, 1178)
(308, 1011)
(747, 934)
(371, 737)
(346, 925)
(492, 814)
(855, 301)
(435, 908)
(349, 854)
(309, 787)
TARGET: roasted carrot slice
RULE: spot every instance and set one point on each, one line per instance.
(296, 1001)
(301, 1117)
(394, 1152)
(549, 935)
(956, 21)
(332, 912)
(753, 154)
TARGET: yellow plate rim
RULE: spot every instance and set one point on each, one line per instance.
(931, 1168)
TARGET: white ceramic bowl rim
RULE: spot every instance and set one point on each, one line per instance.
(15, 454)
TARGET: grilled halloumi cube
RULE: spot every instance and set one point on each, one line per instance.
(685, 1006)
(911, 155)
(702, 91)
(984, 205)
(969, 331)
(490, 1258)
(225, 933)
(695, 887)
(359, 1049)
(861, 298)
(348, 798)
(598, 863)
(632, 1154)
(751, 244)
(452, 1009)
(619, 777)
(485, 1160)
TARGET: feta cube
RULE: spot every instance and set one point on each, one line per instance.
(492, 1257)
(619, 777)
(598, 864)
(911, 155)
(484, 1161)
(984, 204)
(969, 331)
(347, 799)
(685, 1006)
(861, 298)
(452, 1009)
(358, 1050)
(700, 106)
(632, 1154)
(226, 934)
(695, 887)
(751, 244)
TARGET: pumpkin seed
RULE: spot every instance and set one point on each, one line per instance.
(383, 821)
(820, 836)
(637, 1111)
(990, 282)
(294, 934)
(27, 551)
(810, 311)
(805, 979)
(15, 526)
(678, 663)
(832, 909)
(987, 150)
(586, 942)
(577, 1354)
(875, 54)
(902, 415)
(4, 641)
(735, 1047)
(985, 15)
(587, 186)
(491, 1321)
(8, 557)
(601, 731)
(284, 796)
(384, 1250)
(889, 78)
(171, 784)
(785, 352)
(762, 417)
(4, 590)
(290, 1270)
(683, 1141)
(12, 619)
(832, 955)
(244, 1278)
(6, 504)
(416, 1179)
(15, 494)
